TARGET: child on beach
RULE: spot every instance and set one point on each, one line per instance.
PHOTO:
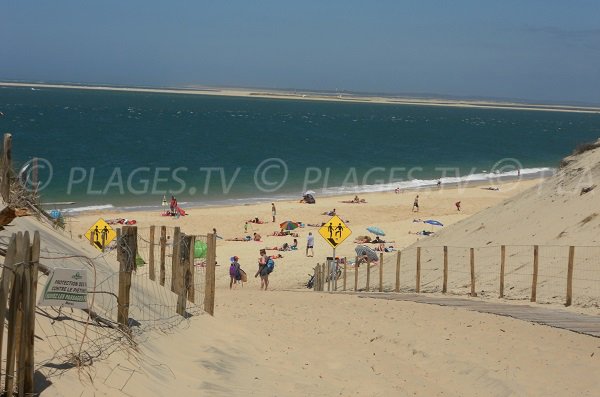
(310, 243)
(416, 204)
(234, 272)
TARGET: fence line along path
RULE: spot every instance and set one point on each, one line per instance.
(580, 323)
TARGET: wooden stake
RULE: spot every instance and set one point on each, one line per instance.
(502, 264)
(6, 284)
(12, 342)
(345, 270)
(472, 255)
(418, 279)
(163, 247)
(381, 272)
(445, 282)
(190, 282)
(398, 258)
(570, 276)
(30, 337)
(209, 291)
(535, 274)
(323, 276)
(151, 275)
(368, 275)
(127, 246)
(175, 267)
(356, 275)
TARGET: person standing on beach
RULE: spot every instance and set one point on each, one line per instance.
(273, 211)
(310, 243)
(246, 227)
(234, 271)
(173, 205)
(263, 271)
(416, 204)
(457, 204)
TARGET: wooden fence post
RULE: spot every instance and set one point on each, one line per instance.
(472, 261)
(15, 317)
(418, 278)
(24, 299)
(209, 291)
(182, 282)
(502, 264)
(380, 272)
(445, 282)
(30, 336)
(356, 274)
(152, 274)
(315, 277)
(163, 248)
(398, 258)
(570, 276)
(345, 271)
(323, 275)
(535, 274)
(368, 275)
(176, 257)
(127, 252)
(190, 282)
(6, 168)
(6, 284)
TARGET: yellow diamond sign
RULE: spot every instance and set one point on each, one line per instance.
(335, 231)
(100, 234)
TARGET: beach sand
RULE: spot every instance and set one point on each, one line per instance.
(293, 342)
(387, 210)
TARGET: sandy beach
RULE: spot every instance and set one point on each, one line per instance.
(318, 96)
(389, 211)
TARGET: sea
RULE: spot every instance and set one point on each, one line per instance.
(130, 150)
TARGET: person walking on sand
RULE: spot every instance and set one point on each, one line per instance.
(263, 271)
(457, 204)
(310, 243)
(416, 204)
(273, 211)
(234, 272)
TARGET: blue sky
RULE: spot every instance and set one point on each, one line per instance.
(533, 50)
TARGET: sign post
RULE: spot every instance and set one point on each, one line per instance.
(334, 232)
(100, 234)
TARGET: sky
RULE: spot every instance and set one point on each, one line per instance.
(534, 50)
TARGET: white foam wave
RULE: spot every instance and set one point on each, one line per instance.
(422, 183)
(89, 208)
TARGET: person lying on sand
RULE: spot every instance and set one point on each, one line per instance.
(377, 240)
(362, 239)
(381, 247)
(285, 233)
(330, 213)
(257, 237)
(490, 188)
(284, 247)
(315, 224)
(423, 233)
(355, 201)
(256, 220)
(247, 238)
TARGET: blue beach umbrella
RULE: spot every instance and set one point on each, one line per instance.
(376, 231)
(433, 222)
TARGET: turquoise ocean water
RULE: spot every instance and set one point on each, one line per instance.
(128, 149)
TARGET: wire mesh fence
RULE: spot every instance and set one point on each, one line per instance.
(75, 338)
(515, 272)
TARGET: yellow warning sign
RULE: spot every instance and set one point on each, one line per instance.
(335, 231)
(100, 234)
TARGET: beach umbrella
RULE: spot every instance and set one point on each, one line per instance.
(376, 231)
(199, 249)
(433, 222)
(368, 251)
(288, 225)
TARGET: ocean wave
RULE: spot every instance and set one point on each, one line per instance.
(424, 183)
(89, 208)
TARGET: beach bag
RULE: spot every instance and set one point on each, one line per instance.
(270, 265)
